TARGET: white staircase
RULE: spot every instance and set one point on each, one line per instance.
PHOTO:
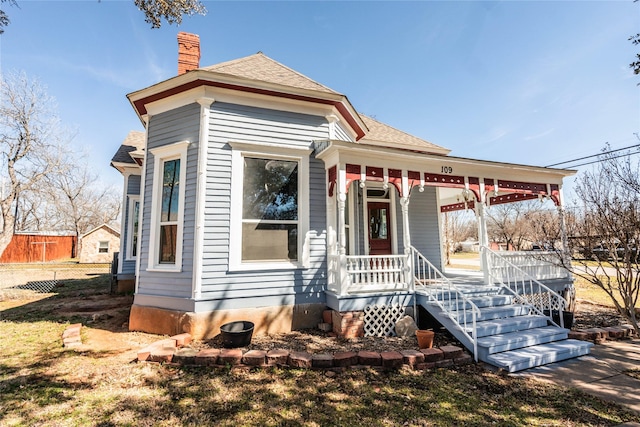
(503, 325)
(507, 335)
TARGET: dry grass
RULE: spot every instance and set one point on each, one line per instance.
(99, 384)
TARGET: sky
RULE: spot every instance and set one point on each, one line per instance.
(529, 82)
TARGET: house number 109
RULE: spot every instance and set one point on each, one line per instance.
(447, 169)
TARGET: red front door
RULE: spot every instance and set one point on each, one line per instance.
(379, 228)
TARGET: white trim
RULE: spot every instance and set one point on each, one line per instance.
(350, 220)
(133, 199)
(161, 155)
(114, 230)
(143, 178)
(392, 212)
(99, 246)
(275, 151)
(272, 149)
(123, 245)
(201, 194)
(257, 100)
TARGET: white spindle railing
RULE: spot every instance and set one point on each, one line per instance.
(376, 272)
(442, 291)
(537, 264)
(525, 288)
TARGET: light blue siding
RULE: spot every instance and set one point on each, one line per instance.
(423, 223)
(133, 185)
(221, 288)
(341, 134)
(178, 125)
(133, 189)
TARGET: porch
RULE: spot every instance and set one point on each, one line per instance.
(356, 281)
(504, 315)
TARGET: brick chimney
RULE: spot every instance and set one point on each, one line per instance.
(188, 52)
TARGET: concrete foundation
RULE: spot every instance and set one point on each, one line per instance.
(267, 320)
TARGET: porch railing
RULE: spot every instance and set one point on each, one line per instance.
(444, 293)
(525, 288)
(376, 272)
(542, 265)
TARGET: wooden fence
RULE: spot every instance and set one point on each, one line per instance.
(39, 248)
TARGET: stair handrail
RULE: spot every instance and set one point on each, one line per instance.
(524, 280)
(424, 272)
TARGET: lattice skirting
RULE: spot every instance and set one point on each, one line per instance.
(380, 320)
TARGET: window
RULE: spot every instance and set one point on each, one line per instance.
(270, 210)
(103, 247)
(167, 207)
(134, 217)
(269, 218)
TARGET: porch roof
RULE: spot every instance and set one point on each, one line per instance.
(505, 182)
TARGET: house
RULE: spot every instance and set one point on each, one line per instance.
(99, 244)
(256, 193)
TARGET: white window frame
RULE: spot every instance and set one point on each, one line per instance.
(161, 155)
(298, 154)
(100, 247)
(132, 202)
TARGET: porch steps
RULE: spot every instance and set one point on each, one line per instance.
(510, 337)
(482, 301)
(498, 312)
(525, 358)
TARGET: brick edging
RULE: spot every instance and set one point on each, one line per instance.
(71, 336)
(174, 350)
(599, 335)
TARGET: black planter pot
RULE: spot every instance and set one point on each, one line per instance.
(567, 317)
(236, 334)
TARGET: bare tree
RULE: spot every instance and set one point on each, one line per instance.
(30, 144)
(610, 222)
(80, 202)
(522, 225)
(459, 226)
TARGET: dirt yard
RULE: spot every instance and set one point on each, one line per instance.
(105, 318)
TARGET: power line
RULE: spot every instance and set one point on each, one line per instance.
(595, 155)
(601, 160)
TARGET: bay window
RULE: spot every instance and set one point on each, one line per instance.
(269, 208)
(168, 207)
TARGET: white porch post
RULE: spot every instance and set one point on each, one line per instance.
(570, 295)
(332, 244)
(483, 235)
(406, 234)
(343, 277)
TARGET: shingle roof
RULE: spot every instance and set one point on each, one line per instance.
(132, 143)
(383, 135)
(260, 67)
